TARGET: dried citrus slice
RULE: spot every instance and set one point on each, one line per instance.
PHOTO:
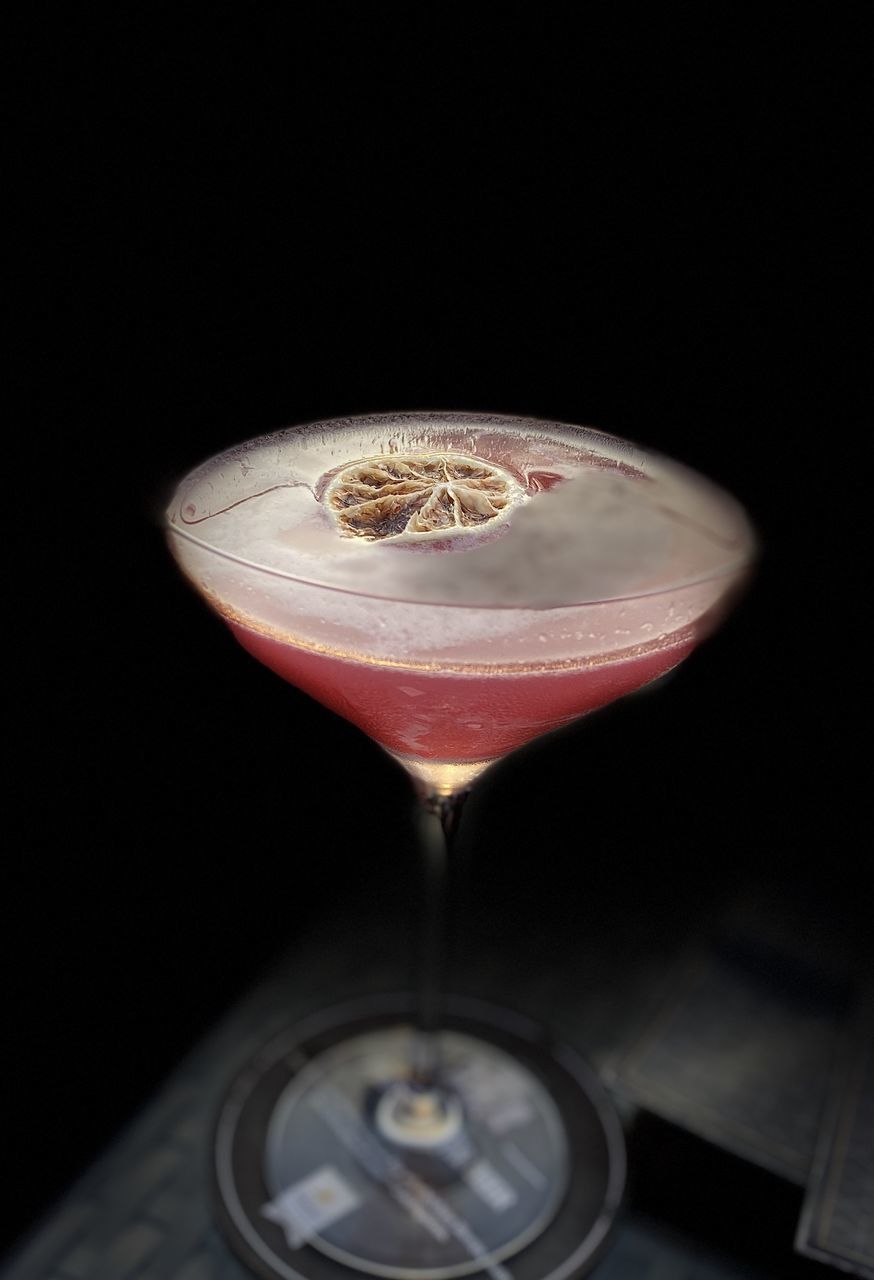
(416, 495)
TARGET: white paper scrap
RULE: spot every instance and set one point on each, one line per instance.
(309, 1206)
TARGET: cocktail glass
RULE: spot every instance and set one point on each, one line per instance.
(455, 585)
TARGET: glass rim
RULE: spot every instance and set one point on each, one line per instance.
(731, 568)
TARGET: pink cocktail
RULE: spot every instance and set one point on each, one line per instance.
(458, 717)
(456, 585)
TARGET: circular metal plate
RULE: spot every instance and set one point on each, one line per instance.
(307, 1190)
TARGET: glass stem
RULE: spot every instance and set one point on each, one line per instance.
(437, 820)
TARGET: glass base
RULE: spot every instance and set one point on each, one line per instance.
(333, 1156)
(442, 777)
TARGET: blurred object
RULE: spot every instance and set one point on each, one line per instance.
(837, 1223)
(738, 1050)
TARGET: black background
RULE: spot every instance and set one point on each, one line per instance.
(240, 220)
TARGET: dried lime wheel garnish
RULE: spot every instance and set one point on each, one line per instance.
(413, 495)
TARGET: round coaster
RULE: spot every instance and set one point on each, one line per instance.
(332, 1161)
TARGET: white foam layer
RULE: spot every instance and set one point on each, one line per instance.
(604, 550)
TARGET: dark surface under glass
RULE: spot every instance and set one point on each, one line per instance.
(695, 1207)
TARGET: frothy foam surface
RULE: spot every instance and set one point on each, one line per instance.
(593, 525)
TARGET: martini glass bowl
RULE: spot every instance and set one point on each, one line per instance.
(455, 585)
